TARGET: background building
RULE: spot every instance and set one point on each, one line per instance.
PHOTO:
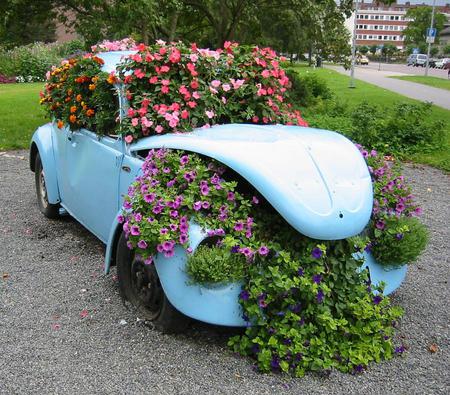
(379, 24)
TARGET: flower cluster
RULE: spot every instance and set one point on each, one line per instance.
(175, 88)
(79, 94)
(393, 227)
(126, 44)
(309, 306)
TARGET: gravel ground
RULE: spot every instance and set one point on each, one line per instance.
(64, 329)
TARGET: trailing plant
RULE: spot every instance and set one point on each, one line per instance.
(308, 305)
(212, 264)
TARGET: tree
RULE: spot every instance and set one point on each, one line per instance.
(23, 22)
(363, 49)
(416, 31)
(434, 51)
(373, 49)
(446, 50)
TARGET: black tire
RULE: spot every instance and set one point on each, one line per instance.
(139, 284)
(46, 208)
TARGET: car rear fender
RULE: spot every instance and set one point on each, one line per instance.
(42, 142)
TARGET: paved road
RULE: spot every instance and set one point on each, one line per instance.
(439, 97)
(409, 70)
(64, 329)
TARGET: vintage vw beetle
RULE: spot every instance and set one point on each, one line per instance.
(316, 179)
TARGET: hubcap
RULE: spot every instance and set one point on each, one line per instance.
(43, 189)
(147, 287)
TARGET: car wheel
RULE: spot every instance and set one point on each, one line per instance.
(139, 284)
(48, 209)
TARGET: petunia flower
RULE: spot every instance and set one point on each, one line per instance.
(317, 253)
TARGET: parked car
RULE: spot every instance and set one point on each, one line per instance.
(319, 173)
(440, 63)
(417, 60)
(362, 60)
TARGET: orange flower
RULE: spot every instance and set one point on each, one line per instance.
(98, 60)
(91, 87)
(60, 124)
(70, 92)
(79, 98)
(85, 107)
(94, 79)
(90, 112)
(67, 99)
(111, 79)
(72, 118)
(73, 109)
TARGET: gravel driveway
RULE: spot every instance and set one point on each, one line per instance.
(64, 329)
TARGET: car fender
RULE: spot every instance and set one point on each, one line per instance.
(42, 142)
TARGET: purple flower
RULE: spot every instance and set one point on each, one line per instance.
(255, 200)
(129, 245)
(197, 206)
(317, 253)
(358, 368)
(263, 251)
(157, 209)
(183, 220)
(166, 170)
(377, 299)
(174, 213)
(320, 296)
(149, 261)
(399, 236)
(275, 363)
(142, 244)
(239, 226)
(244, 295)
(138, 217)
(400, 350)
(205, 205)
(164, 231)
(159, 248)
(380, 224)
(204, 189)
(150, 220)
(127, 205)
(144, 189)
(169, 254)
(120, 219)
(235, 249)
(168, 245)
(317, 278)
(222, 217)
(171, 183)
(183, 238)
(173, 227)
(300, 272)
(219, 232)
(246, 251)
(189, 250)
(184, 160)
(230, 196)
(149, 198)
(135, 231)
(184, 228)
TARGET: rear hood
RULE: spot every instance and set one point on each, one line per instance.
(316, 179)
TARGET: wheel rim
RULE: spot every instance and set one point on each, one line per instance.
(42, 189)
(147, 288)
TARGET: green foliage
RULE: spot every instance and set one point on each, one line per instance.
(420, 16)
(210, 264)
(308, 89)
(363, 49)
(403, 240)
(30, 62)
(398, 130)
(446, 49)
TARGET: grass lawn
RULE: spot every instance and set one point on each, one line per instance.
(338, 83)
(20, 114)
(435, 82)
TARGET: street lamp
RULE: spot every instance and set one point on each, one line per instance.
(352, 67)
(430, 39)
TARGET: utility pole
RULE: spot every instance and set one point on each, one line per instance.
(429, 39)
(352, 67)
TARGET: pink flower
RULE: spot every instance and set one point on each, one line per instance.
(175, 56)
(139, 73)
(129, 139)
(159, 129)
(153, 80)
(196, 95)
(164, 69)
(165, 82)
(135, 121)
(146, 122)
(266, 73)
(193, 57)
(237, 83)
(215, 83)
(184, 114)
(210, 114)
(165, 89)
(226, 87)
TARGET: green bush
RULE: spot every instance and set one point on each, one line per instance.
(30, 62)
(307, 89)
(403, 240)
(215, 265)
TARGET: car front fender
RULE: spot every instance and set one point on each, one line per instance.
(42, 143)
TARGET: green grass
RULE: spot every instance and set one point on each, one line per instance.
(435, 82)
(364, 91)
(20, 114)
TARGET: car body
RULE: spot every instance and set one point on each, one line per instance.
(417, 60)
(362, 60)
(320, 173)
(440, 63)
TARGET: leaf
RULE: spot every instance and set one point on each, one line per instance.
(433, 348)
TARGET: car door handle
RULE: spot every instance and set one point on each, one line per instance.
(69, 138)
(126, 168)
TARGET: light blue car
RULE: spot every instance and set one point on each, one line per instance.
(316, 179)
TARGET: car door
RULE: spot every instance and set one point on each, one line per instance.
(91, 179)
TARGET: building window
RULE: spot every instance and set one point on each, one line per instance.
(385, 38)
(364, 36)
(380, 37)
